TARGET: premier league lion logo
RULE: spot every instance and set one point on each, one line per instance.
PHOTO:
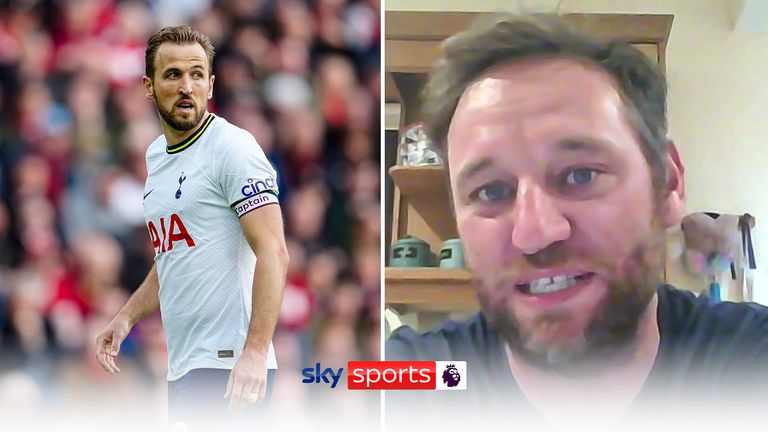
(451, 376)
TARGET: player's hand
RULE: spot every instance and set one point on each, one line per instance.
(247, 383)
(108, 343)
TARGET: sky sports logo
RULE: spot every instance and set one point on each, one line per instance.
(393, 375)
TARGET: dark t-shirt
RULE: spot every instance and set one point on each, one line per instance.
(710, 356)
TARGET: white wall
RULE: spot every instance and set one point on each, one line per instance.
(718, 99)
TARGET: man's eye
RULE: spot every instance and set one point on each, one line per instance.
(494, 192)
(580, 177)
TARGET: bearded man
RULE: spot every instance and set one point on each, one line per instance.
(211, 208)
(563, 182)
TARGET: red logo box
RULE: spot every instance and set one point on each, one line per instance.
(391, 375)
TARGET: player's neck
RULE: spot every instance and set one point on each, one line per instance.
(173, 136)
(615, 386)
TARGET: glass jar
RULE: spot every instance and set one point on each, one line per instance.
(416, 148)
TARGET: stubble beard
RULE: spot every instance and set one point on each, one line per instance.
(612, 329)
(179, 125)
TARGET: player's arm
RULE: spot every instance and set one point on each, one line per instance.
(263, 228)
(143, 302)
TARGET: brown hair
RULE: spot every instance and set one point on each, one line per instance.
(508, 38)
(180, 35)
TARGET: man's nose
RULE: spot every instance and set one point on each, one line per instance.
(538, 222)
(185, 85)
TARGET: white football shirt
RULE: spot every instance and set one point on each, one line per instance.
(194, 195)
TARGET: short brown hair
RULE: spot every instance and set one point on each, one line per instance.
(508, 38)
(181, 35)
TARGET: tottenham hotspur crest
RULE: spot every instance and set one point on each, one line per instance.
(181, 180)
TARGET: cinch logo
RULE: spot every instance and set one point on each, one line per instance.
(407, 375)
(316, 375)
(174, 232)
(258, 186)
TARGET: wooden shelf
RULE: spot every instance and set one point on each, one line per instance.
(413, 41)
(430, 288)
(414, 182)
(426, 190)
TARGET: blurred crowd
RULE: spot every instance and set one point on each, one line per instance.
(302, 76)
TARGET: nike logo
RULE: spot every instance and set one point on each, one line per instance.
(147, 194)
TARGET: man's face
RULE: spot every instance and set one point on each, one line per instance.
(555, 207)
(181, 86)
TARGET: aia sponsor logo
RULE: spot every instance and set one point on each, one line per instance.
(171, 232)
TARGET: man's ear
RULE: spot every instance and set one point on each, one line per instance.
(674, 200)
(149, 92)
(210, 87)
